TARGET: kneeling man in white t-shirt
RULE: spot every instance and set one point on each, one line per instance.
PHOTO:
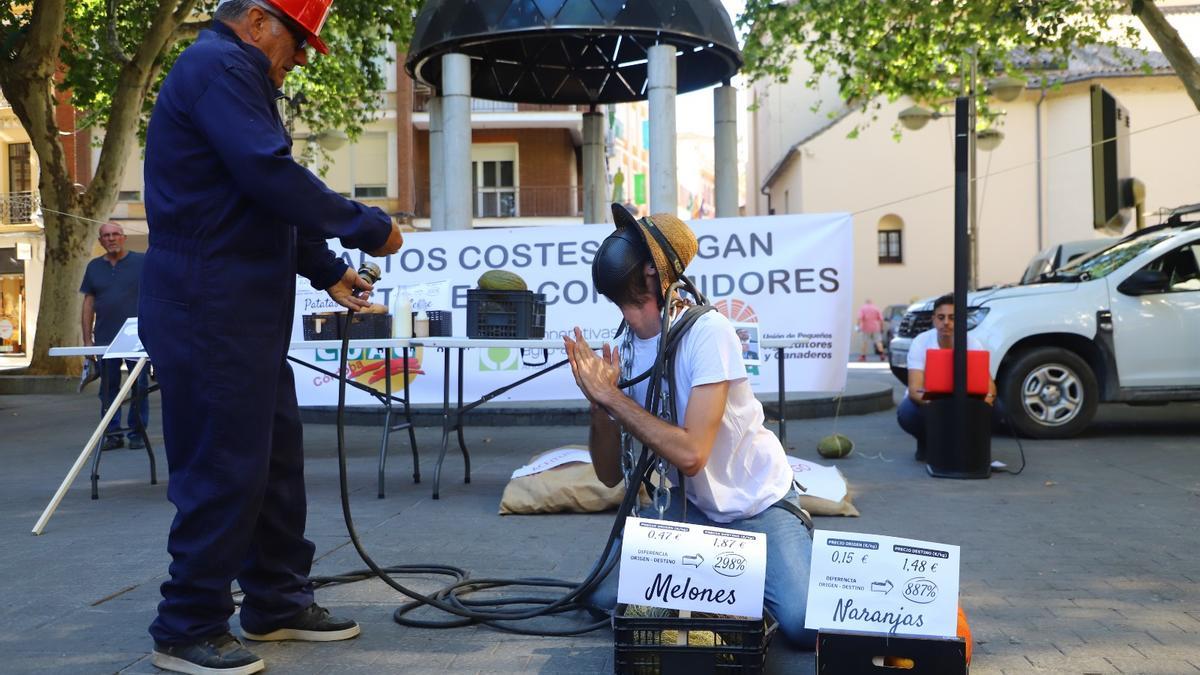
(734, 470)
(910, 414)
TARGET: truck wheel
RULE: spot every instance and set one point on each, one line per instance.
(1050, 393)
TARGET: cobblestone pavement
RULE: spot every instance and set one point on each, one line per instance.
(1085, 563)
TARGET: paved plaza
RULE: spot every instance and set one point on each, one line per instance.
(1088, 562)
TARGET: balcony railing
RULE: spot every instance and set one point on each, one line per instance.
(17, 208)
(421, 104)
(517, 202)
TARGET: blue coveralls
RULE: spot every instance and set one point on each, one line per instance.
(232, 219)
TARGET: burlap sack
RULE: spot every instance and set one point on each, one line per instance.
(571, 488)
(824, 507)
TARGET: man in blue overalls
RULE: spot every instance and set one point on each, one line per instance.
(233, 218)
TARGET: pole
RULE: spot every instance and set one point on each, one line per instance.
(973, 204)
(437, 172)
(595, 179)
(88, 447)
(661, 91)
(964, 180)
(725, 150)
(456, 140)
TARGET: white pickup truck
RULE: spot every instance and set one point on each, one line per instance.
(1121, 324)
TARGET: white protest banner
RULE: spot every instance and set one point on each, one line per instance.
(875, 584)
(694, 567)
(126, 344)
(790, 275)
(556, 457)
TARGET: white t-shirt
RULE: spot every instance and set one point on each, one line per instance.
(747, 471)
(928, 340)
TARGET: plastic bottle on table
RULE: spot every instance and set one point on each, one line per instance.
(402, 321)
(421, 326)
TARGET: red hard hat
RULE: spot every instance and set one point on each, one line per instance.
(310, 15)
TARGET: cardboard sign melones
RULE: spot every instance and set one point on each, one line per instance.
(692, 567)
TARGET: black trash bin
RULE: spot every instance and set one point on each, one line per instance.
(943, 459)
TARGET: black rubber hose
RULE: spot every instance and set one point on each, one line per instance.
(452, 598)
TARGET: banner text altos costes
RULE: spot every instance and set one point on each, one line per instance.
(790, 274)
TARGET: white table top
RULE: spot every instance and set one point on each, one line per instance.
(364, 343)
(512, 343)
(381, 343)
(94, 350)
(398, 343)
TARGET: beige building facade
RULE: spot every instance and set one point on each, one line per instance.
(1033, 190)
(22, 242)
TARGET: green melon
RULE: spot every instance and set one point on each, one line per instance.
(501, 280)
(835, 446)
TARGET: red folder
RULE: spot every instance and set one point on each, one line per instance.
(939, 372)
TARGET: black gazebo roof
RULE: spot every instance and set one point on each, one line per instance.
(572, 51)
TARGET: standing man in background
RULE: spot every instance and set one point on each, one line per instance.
(233, 218)
(870, 326)
(110, 296)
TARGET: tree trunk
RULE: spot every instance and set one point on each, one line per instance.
(68, 248)
(1172, 46)
(28, 83)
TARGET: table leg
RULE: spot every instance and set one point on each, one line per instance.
(412, 434)
(387, 418)
(458, 423)
(96, 463)
(782, 389)
(437, 469)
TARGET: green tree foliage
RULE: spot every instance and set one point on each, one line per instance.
(107, 59)
(882, 50)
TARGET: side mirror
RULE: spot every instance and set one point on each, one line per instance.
(1144, 282)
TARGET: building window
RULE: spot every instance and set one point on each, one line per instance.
(129, 196)
(20, 167)
(494, 180)
(891, 240)
(495, 189)
(370, 191)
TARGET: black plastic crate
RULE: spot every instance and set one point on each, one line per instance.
(849, 653)
(441, 323)
(327, 326)
(505, 314)
(716, 645)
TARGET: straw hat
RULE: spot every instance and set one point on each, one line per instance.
(660, 232)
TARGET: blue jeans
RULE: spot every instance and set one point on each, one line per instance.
(789, 551)
(110, 386)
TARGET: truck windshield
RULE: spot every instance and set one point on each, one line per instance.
(1104, 262)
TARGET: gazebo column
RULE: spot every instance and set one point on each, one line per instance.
(595, 178)
(456, 140)
(437, 169)
(661, 89)
(725, 150)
